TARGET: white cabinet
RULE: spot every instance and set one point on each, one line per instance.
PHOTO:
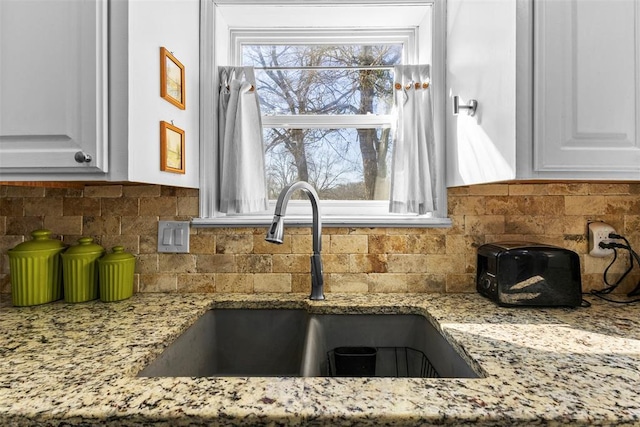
(482, 59)
(587, 89)
(53, 85)
(83, 76)
(558, 87)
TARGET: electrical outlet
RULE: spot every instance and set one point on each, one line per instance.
(599, 232)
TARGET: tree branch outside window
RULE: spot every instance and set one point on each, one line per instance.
(341, 162)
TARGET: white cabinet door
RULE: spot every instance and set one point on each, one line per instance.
(587, 88)
(482, 60)
(53, 86)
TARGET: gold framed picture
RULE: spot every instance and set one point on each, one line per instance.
(172, 79)
(171, 148)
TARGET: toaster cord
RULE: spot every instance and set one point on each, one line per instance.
(615, 246)
(610, 287)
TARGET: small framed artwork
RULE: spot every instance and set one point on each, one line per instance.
(171, 148)
(171, 79)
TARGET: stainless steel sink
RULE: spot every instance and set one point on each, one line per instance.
(247, 342)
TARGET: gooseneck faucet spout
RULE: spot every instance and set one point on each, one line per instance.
(275, 233)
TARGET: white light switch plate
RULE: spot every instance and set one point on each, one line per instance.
(173, 237)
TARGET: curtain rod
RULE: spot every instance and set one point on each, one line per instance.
(370, 67)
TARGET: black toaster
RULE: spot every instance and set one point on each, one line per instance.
(529, 274)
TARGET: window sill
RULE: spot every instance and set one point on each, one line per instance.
(398, 221)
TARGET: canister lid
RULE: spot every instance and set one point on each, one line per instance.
(85, 246)
(117, 255)
(42, 241)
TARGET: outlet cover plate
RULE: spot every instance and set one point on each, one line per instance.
(173, 237)
(599, 232)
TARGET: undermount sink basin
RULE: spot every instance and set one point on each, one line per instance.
(291, 342)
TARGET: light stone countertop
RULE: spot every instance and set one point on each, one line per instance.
(76, 364)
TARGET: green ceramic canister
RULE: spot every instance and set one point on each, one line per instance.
(116, 275)
(80, 270)
(36, 273)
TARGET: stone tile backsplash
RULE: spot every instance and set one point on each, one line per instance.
(355, 259)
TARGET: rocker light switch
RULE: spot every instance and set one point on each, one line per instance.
(173, 236)
(167, 236)
(179, 236)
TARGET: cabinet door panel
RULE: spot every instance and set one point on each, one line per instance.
(481, 64)
(587, 86)
(53, 85)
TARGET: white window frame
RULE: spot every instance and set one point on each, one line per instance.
(404, 36)
(334, 212)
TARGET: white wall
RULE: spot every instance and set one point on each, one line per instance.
(481, 65)
(175, 25)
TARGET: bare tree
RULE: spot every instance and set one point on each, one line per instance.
(322, 89)
(374, 148)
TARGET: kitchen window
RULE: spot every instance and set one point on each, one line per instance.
(326, 97)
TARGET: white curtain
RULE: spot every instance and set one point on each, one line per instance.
(413, 166)
(243, 184)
